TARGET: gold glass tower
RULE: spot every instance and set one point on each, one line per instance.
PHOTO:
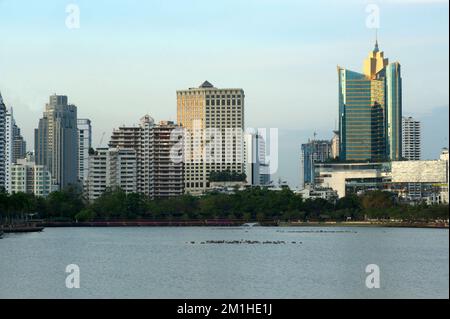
(370, 110)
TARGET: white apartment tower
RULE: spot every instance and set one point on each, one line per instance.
(411, 139)
(213, 120)
(411, 151)
(27, 177)
(2, 142)
(111, 168)
(84, 145)
(9, 148)
(15, 147)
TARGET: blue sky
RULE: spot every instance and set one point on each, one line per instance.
(128, 58)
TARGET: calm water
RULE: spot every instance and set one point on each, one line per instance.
(158, 263)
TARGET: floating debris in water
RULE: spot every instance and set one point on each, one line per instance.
(318, 231)
(245, 242)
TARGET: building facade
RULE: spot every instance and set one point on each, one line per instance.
(84, 145)
(2, 142)
(14, 149)
(444, 186)
(9, 148)
(396, 176)
(370, 110)
(335, 145)
(411, 139)
(315, 151)
(56, 141)
(159, 176)
(213, 120)
(252, 158)
(28, 177)
(166, 161)
(411, 151)
(351, 178)
(20, 145)
(111, 168)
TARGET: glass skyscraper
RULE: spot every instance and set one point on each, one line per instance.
(370, 110)
(315, 151)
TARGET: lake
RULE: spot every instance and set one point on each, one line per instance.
(161, 262)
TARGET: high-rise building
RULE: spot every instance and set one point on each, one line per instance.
(256, 166)
(264, 165)
(9, 147)
(252, 158)
(411, 151)
(27, 177)
(20, 146)
(2, 142)
(411, 139)
(335, 145)
(56, 141)
(111, 168)
(444, 187)
(370, 110)
(315, 151)
(158, 175)
(145, 156)
(84, 145)
(213, 120)
(166, 162)
(15, 146)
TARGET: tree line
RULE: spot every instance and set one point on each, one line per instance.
(250, 204)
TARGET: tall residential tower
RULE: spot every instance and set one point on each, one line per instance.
(84, 146)
(2, 142)
(411, 139)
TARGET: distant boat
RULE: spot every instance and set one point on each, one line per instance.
(22, 229)
(250, 224)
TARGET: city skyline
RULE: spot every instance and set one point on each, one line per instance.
(147, 71)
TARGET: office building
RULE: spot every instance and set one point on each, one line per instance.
(315, 151)
(56, 141)
(357, 178)
(370, 110)
(20, 145)
(213, 120)
(257, 169)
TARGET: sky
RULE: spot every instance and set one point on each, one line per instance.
(128, 58)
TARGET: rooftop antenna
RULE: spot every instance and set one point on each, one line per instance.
(376, 40)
